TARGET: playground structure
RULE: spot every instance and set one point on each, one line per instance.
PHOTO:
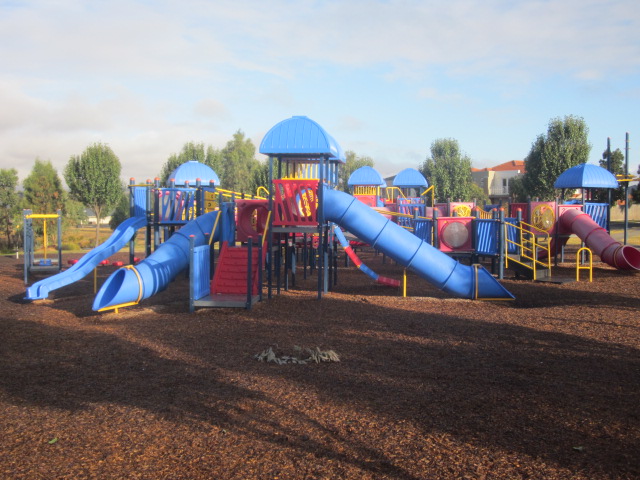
(302, 219)
(44, 264)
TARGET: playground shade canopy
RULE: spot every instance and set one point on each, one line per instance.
(366, 176)
(192, 170)
(300, 136)
(586, 176)
(410, 178)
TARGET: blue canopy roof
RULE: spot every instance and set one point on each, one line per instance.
(366, 176)
(586, 176)
(410, 178)
(300, 137)
(192, 170)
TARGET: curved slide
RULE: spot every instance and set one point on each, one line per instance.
(612, 252)
(131, 284)
(90, 260)
(465, 281)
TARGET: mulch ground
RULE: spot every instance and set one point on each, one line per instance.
(544, 387)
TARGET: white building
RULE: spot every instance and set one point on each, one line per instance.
(494, 181)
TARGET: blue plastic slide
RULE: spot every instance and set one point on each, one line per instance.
(90, 260)
(131, 284)
(465, 281)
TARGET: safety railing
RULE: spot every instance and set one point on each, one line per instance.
(366, 190)
(587, 251)
(530, 245)
(390, 193)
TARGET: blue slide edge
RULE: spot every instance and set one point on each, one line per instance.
(90, 260)
(459, 280)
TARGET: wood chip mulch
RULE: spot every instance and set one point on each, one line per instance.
(426, 387)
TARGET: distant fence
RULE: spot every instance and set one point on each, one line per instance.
(617, 213)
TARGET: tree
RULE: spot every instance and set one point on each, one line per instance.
(94, 180)
(449, 170)
(565, 145)
(477, 194)
(352, 163)
(74, 213)
(121, 213)
(238, 164)
(9, 203)
(43, 192)
(617, 168)
(516, 187)
(192, 151)
(261, 176)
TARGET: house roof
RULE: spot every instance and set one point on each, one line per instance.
(503, 167)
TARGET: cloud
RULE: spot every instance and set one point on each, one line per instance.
(146, 77)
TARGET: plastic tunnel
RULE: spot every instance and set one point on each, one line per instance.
(90, 260)
(612, 252)
(130, 284)
(465, 281)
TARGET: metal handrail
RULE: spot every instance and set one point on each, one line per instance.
(528, 248)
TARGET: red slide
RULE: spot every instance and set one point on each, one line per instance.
(612, 252)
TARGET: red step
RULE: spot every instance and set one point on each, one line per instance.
(231, 272)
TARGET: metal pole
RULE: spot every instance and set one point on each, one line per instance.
(609, 192)
(626, 187)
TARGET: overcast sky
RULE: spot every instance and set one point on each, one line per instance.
(384, 77)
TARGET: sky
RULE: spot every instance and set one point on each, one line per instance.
(384, 77)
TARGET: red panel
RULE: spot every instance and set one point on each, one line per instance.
(251, 218)
(296, 202)
(561, 209)
(370, 200)
(454, 234)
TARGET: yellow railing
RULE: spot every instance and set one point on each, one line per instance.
(484, 214)
(366, 190)
(433, 194)
(237, 195)
(390, 190)
(529, 245)
(590, 267)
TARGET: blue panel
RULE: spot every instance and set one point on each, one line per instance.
(486, 235)
(200, 266)
(408, 206)
(586, 176)
(410, 178)
(140, 201)
(300, 136)
(598, 212)
(512, 234)
(423, 229)
(366, 176)
(191, 171)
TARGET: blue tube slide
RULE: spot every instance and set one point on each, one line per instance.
(130, 284)
(459, 280)
(90, 260)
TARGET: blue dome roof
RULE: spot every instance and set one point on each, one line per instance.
(586, 176)
(192, 170)
(410, 178)
(366, 176)
(300, 137)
